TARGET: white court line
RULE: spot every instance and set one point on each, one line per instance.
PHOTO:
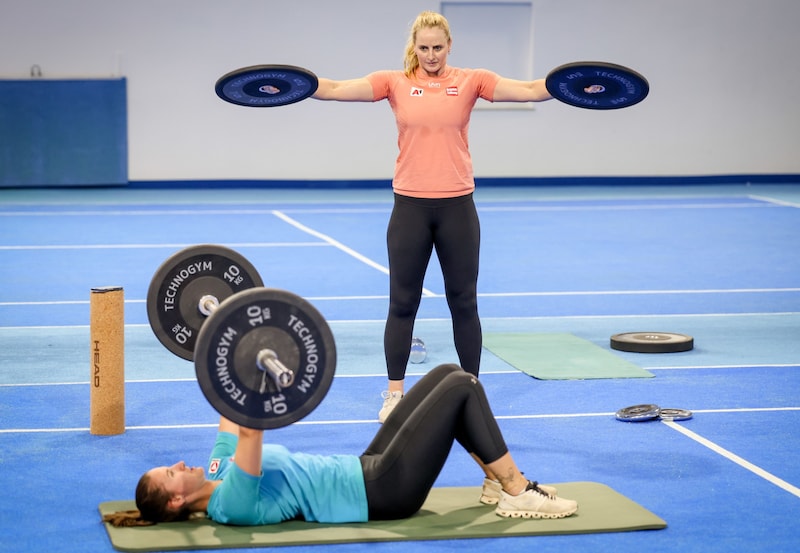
(430, 294)
(86, 382)
(161, 246)
(633, 207)
(759, 366)
(481, 205)
(794, 490)
(332, 242)
(369, 421)
(571, 415)
(638, 292)
(340, 246)
(170, 427)
(137, 213)
(410, 375)
(747, 410)
(781, 203)
(194, 379)
(640, 316)
(440, 319)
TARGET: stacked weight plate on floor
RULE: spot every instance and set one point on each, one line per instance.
(648, 412)
(652, 342)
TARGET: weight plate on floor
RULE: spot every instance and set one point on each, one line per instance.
(227, 358)
(173, 297)
(264, 86)
(652, 342)
(597, 85)
(674, 414)
(638, 413)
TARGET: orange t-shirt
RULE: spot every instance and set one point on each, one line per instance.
(432, 116)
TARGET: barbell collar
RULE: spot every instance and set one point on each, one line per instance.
(207, 305)
(268, 362)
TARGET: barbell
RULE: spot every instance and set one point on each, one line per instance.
(264, 358)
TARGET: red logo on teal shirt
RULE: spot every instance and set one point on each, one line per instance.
(213, 466)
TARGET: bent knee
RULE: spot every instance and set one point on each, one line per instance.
(445, 368)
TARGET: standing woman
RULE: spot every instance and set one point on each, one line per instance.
(433, 185)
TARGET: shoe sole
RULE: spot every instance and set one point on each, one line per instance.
(533, 514)
(494, 500)
(382, 416)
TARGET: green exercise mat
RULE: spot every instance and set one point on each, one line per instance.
(559, 357)
(448, 513)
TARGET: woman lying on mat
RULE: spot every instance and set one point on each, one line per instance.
(250, 483)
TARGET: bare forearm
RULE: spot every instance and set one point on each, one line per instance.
(248, 450)
(510, 90)
(226, 425)
(353, 90)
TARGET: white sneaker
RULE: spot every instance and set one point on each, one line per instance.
(390, 401)
(534, 503)
(490, 493)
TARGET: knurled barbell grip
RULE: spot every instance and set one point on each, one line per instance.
(267, 360)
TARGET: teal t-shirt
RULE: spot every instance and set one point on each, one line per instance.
(314, 488)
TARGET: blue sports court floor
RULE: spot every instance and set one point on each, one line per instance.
(719, 263)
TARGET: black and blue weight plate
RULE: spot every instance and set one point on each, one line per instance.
(228, 352)
(176, 289)
(264, 86)
(652, 342)
(597, 85)
(638, 413)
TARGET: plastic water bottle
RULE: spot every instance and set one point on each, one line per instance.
(418, 351)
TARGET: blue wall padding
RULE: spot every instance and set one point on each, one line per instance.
(63, 132)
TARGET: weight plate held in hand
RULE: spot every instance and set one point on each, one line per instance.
(597, 85)
(264, 86)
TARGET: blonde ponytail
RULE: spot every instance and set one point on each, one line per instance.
(425, 20)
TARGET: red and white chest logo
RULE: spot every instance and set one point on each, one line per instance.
(415, 91)
(213, 467)
(452, 91)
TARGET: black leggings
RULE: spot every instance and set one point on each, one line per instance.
(408, 452)
(416, 226)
